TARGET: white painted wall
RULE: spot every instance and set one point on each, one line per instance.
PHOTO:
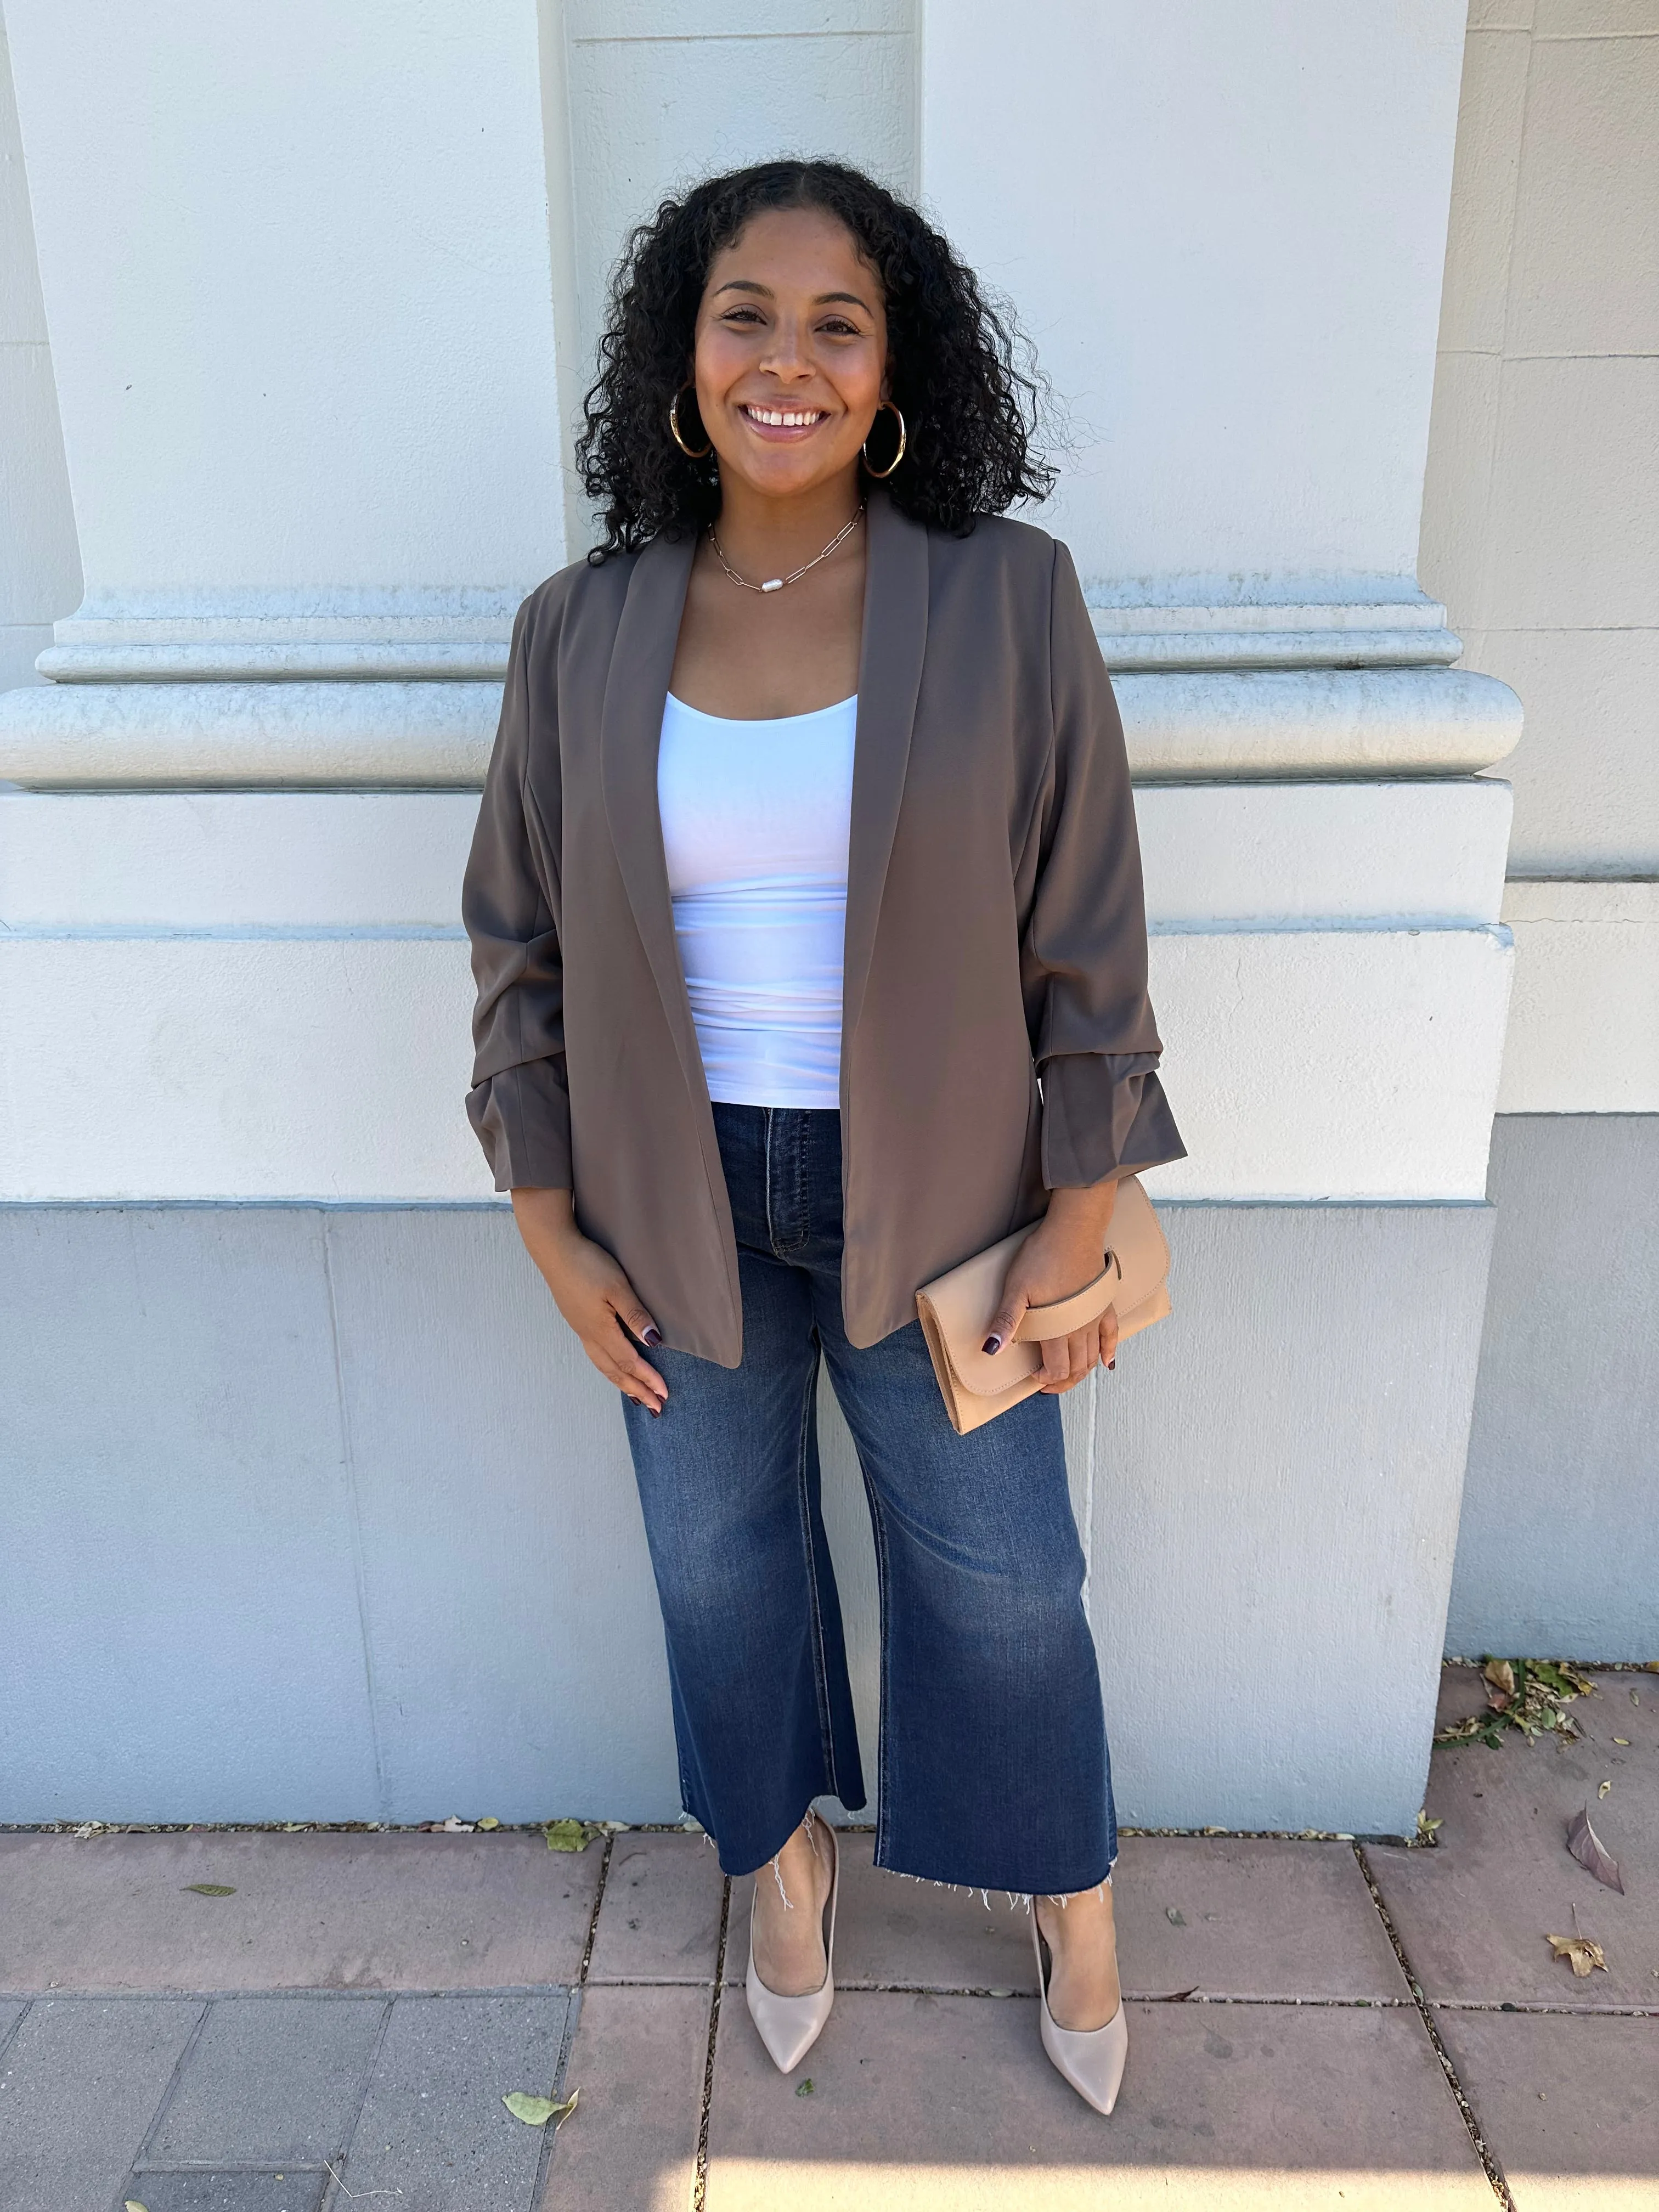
(297, 268)
(664, 92)
(39, 566)
(1225, 227)
(1540, 518)
(347, 263)
(1584, 1024)
(1216, 856)
(1329, 978)
(1306, 1064)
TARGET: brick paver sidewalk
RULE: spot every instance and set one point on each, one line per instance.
(341, 2026)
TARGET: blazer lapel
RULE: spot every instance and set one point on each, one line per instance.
(890, 679)
(631, 733)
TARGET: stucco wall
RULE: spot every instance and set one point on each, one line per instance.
(329, 1518)
(1559, 1547)
(1540, 531)
(1540, 519)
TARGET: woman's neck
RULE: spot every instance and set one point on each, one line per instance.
(769, 537)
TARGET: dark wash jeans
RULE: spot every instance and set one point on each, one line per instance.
(993, 1766)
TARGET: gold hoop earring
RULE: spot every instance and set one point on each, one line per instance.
(692, 452)
(881, 474)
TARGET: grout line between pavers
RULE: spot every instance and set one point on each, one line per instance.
(335, 2184)
(174, 2080)
(573, 2015)
(10, 2035)
(1196, 1996)
(1487, 2157)
(593, 1917)
(700, 2185)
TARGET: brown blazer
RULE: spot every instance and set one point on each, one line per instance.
(997, 1037)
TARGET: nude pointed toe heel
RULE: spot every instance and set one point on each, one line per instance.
(789, 2027)
(1091, 2059)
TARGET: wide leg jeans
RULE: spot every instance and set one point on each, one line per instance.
(993, 1768)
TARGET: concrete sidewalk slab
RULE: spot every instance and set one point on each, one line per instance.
(639, 2061)
(1474, 1913)
(941, 2104)
(660, 1921)
(78, 2085)
(1240, 1917)
(311, 1911)
(1568, 2103)
(433, 2135)
(269, 2082)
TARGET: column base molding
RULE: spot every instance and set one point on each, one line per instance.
(1181, 726)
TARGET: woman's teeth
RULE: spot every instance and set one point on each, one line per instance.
(785, 418)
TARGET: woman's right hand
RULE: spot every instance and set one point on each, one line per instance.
(593, 1293)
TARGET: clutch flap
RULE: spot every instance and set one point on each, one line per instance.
(958, 1309)
(964, 1304)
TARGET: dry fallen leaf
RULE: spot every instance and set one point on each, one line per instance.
(536, 2112)
(1500, 1683)
(456, 1826)
(1591, 1853)
(1426, 1829)
(211, 1888)
(489, 1821)
(1584, 1956)
(566, 1836)
(131, 2204)
(1603, 1791)
(1623, 1741)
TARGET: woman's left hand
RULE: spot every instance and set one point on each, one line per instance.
(1063, 1253)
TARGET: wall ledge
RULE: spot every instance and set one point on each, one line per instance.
(1181, 726)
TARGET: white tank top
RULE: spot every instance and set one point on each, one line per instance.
(755, 817)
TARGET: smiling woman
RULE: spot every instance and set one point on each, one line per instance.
(807, 922)
(950, 361)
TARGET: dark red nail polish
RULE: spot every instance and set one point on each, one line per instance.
(993, 1343)
(652, 1335)
(1111, 1363)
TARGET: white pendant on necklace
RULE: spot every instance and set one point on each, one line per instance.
(776, 585)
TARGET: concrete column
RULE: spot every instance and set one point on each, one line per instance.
(302, 275)
(39, 570)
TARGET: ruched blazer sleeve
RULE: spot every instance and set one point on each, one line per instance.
(520, 1102)
(997, 1038)
(1093, 1039)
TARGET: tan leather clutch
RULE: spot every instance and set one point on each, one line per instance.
(956, 1310)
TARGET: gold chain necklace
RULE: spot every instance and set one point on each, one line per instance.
(777, 583)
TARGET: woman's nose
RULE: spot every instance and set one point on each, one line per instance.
(787, 355)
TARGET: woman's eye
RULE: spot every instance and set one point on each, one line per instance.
(741, 315)
(841, 328)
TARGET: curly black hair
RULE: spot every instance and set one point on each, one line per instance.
(953, 369)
